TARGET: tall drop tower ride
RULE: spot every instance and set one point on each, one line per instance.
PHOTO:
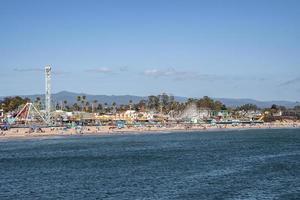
(48, 94)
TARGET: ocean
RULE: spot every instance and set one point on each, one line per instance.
(248, 164)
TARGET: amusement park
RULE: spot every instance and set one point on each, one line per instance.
(156, 113)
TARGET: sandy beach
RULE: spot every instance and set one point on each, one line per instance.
(24, 133)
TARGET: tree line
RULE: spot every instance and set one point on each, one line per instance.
(162, 103)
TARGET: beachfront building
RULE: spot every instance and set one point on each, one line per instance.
(291, 114)
(277, 114)
(134, 115)
(131, 114)
(219, 114)
(62, 116)
(250, 115)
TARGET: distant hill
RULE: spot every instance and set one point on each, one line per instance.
(71, 97)
(261, 104)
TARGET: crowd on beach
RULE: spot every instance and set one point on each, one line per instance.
(110, 130)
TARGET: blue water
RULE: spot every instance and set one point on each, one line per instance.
(252, 164)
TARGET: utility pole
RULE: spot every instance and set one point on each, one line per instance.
(48, 94)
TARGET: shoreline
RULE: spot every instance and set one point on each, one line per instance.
(23, 133)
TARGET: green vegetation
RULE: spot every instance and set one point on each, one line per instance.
(247, 107)
(207, 103)
(163, 103)
(13, 103)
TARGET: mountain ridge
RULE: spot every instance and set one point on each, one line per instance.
(71, 97)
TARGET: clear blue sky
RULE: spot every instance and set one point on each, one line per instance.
(237, 49)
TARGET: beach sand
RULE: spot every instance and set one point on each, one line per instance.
(108, 130)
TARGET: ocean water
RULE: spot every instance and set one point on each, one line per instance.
(250, 164)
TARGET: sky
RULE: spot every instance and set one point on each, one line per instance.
(217, 48)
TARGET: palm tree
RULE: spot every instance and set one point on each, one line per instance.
(65, 103)
(114, 106)
(83, 101)
(153, 102)
(87, 105)
(100, 107)
(130, 104)
(105, 107)
(83, 97)
(57, 106)
(38, 102)
(82, 105)
(78, 100)
(76, 107)
(93, 105)
(141, 105)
